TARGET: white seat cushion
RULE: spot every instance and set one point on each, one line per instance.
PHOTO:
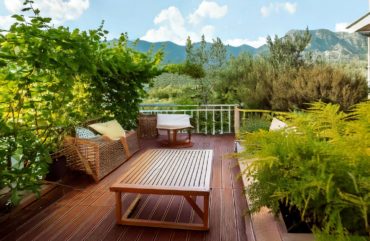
(173, 121)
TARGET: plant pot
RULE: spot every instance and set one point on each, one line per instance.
(292, 219)
(57, 169)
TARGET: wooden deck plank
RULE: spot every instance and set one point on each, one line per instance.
(216, 168)
(100, 232)
(87, 213)
(79, 232)
(107, 199)
(152, 233)
(216, 218)
(54, 224)
(43, 216)
(240, 208)
(228, 227)
(14, 221)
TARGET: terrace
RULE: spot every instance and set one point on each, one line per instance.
(84, 210)
(315, 166)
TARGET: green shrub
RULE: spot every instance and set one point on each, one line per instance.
(246, 81)
(294, 89)
(40, 96)
(251, 122)
(193, 70)
(321, 166)
(117, 88)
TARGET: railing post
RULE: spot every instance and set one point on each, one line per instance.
(236, 120)
(213, 122)
(197, 119)
(222, 121)
(206, 112)
(229, 118)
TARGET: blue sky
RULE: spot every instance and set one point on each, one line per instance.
(236, 22)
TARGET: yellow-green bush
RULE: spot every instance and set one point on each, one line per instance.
(320, 165)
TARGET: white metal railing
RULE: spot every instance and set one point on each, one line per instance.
(206, 119)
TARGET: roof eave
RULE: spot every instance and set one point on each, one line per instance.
(360, 25)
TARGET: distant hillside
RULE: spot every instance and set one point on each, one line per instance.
(176, 53)
(336, 46)
(329, 45)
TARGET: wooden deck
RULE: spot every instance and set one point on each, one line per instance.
(86, 210)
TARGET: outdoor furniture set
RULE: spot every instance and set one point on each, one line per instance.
(184, 173)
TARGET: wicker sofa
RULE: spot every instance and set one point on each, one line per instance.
(99, 156)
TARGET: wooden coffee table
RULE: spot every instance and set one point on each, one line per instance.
(185, 173)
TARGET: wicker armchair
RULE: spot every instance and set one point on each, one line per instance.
(99, 156)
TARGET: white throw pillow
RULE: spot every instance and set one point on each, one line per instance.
(277, 124)
(111, 129)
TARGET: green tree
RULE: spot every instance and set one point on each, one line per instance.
(193, 70)
(288, 51)
(189, 49)
(118, 88)
(50, 80)
(217, 54)
(38, 84)
(202, 53)
(247, 81)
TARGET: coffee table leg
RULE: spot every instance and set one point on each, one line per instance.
(118, 207)
(206, 211)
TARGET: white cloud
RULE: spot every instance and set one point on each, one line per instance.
(207, 9)
(13, 6)
(288, 7)
(5, 22)
(341, 27)
(172, 19)
(208, 32)
(171, 26)
(59, 10)
(254, 43)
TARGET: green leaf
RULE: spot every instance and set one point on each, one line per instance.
(19, 18)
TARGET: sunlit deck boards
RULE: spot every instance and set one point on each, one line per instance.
(88, 211)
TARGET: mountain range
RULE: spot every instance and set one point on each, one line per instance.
(331, 46)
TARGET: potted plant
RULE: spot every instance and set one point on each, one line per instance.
(319, 169)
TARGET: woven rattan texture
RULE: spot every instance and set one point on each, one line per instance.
(148, 126)
(99, 156)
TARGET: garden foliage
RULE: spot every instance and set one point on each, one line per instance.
(52, 78)
(254, 82)
(284, 79)
(320, 165)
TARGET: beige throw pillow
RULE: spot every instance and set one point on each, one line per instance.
(111, 129)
